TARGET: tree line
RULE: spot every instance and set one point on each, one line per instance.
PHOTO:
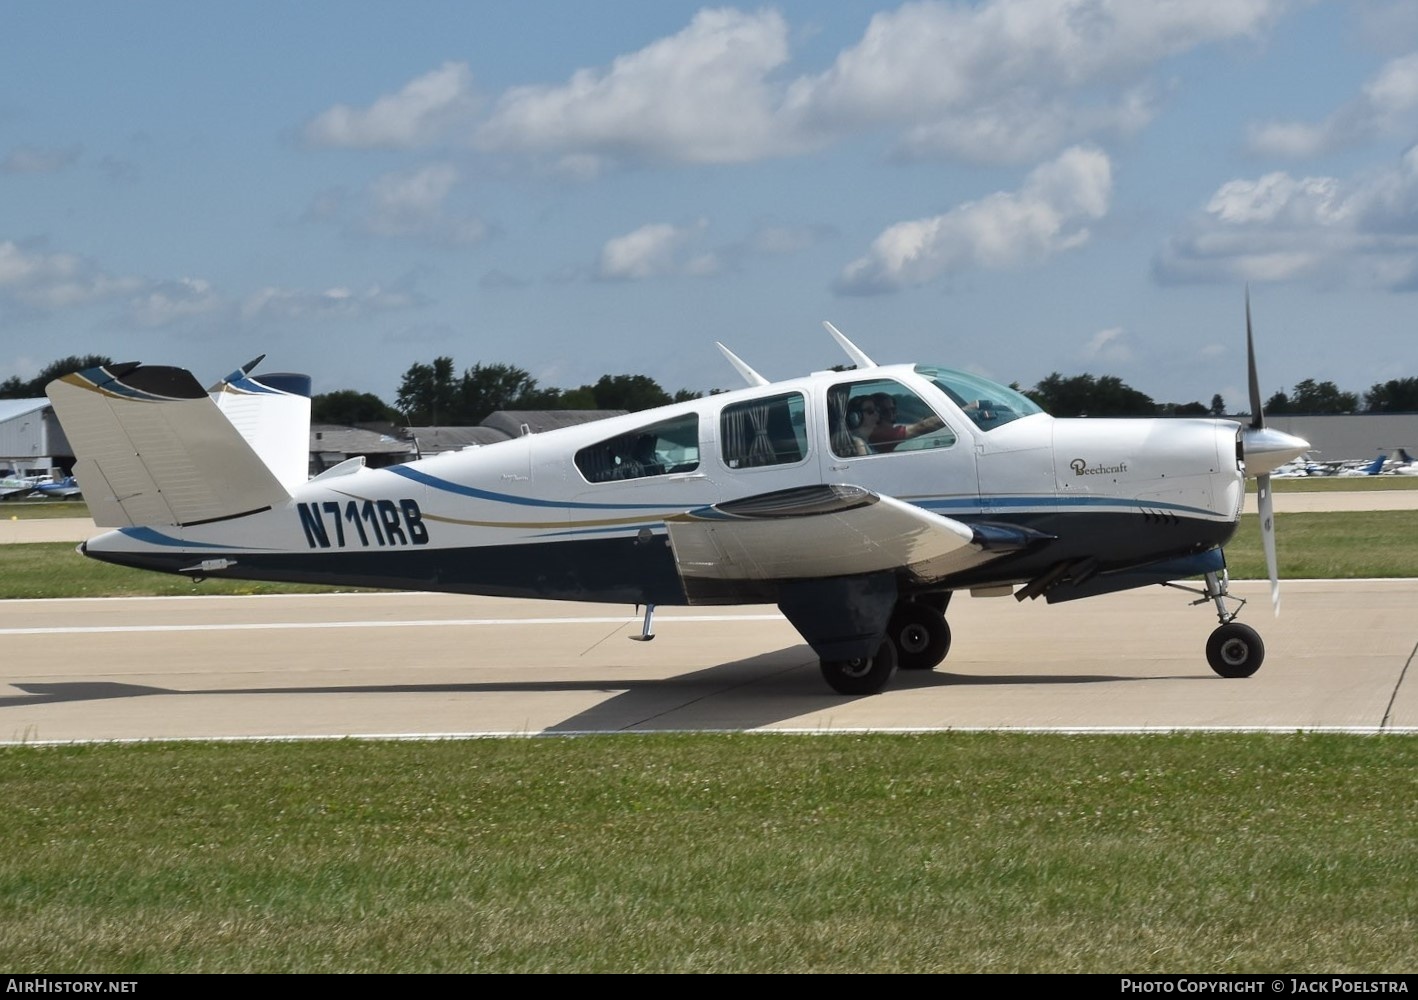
(1109, 396)
(436, 394)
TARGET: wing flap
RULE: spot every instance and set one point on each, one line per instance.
(819, 531)
(154, 449)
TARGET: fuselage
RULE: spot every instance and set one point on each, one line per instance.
(584, 513)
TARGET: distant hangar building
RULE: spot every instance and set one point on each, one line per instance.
(31, 441)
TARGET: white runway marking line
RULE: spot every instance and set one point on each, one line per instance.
(508, 734)
(252, 626)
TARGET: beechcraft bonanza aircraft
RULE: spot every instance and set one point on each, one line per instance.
(804, 493)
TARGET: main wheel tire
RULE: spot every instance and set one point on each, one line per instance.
(864, 675)
(1235, 650)
(920, 634)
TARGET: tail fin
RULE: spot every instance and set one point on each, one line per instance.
(1377, 465)
(154, 449)
(272, 413)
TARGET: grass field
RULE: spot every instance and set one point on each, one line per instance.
(721, 853)
(748, 853)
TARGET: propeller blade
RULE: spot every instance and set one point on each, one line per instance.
(1264, 449)
(1266, 505)
(1257, 417)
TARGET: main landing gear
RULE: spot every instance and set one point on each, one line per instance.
(1234, 649)
(917, 638)
(862, 674)
(920, 634)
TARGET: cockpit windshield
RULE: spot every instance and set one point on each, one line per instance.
(987, 403)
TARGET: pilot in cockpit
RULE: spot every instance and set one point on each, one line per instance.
(885, 433)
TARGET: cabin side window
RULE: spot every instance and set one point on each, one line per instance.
(882, 415)
(658, 449)
(767, 431)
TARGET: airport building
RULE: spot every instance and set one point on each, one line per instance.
(31, 441)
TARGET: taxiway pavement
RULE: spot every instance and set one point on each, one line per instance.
(1342, 655)
(1339, 657)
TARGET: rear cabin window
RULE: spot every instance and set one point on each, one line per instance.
(659, 449)
(767, 431)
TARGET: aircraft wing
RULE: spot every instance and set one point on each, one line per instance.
(829, 530)
(154, 449)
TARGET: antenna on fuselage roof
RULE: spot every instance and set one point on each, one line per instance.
(750, 376)
(853, 351)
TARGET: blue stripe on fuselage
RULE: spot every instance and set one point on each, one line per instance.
(151, 536)
(447, 486)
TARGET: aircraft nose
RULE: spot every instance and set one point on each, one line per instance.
(1266, 449)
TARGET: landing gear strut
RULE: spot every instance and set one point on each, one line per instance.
(862, 629)
(1234, 649)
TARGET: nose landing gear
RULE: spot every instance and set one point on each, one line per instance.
(1233, 649)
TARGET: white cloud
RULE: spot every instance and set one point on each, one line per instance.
(422, 112)
(1019, 129)
(332, 303)
(414, 203)
(1109, 345)
(778, 240)
(172, 302)
(1008, 81)
(1046, 216)
(1325, 230)
(34, 160)
(56, 281)
(700, 96)
(651, 251)
(1002, 81)
(1387, 105)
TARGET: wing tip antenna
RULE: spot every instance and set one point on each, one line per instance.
(858, 356)
(741, 366)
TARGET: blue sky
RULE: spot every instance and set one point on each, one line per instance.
(574, 188)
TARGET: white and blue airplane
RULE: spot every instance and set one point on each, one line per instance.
(860, 525)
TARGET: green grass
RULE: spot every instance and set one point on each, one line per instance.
(1329, 545)
(43, 508)
(55, 569)
(950, 852)
(1339, 484)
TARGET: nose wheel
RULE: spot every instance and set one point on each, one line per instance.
(1233, 649)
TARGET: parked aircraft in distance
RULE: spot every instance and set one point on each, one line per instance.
(1372, 468)
(1302, 467)
(1404, 465)
(14, 487)
(858, 501)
